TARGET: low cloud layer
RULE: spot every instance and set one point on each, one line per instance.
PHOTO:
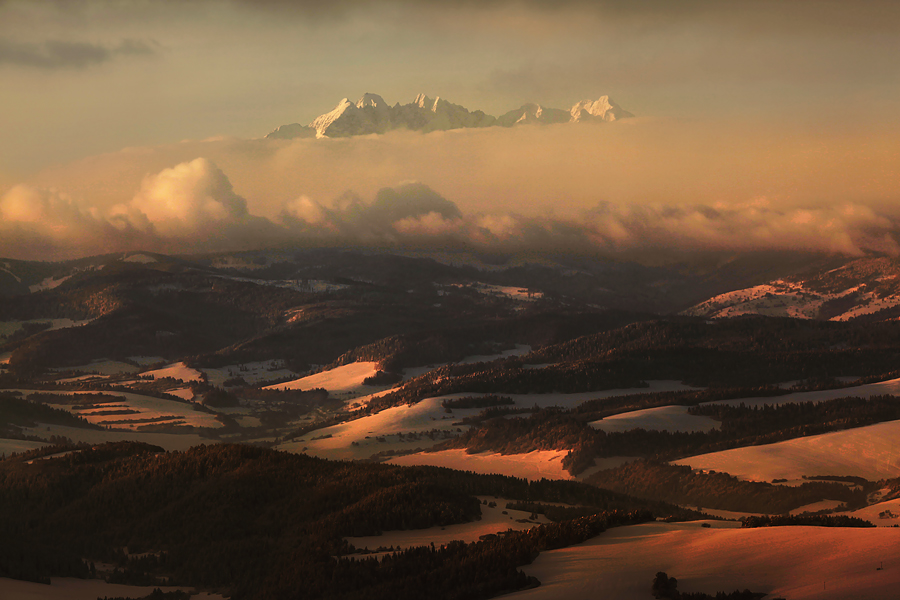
(192, 206)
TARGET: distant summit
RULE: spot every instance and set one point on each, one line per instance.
(371, 114)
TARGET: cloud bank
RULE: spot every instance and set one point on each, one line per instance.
(193, 207)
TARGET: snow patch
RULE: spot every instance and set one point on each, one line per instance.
(537, 465)
(253, 372)
(175, 371)
(143, 259)
(662, 418)
(345, 381)
(48, 283)
(493, 520)
(800, 563)
(870, 452)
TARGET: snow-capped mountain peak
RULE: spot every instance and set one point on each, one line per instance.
(603, 109)
(373, 100)
(323, 122)
(372, 115)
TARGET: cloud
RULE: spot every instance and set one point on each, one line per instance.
(808, 14)
(634, 188)
(758, 225)
(192, 207)
(189, 207)
(410, 210)
(417, 216)
(61, 54)
(187, 198)
(47, 224)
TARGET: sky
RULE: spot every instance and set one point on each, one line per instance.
(759, 124)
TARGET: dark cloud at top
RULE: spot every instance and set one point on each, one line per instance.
(797, 16)
(59, 54)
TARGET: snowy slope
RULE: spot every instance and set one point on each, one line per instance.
(371, 114)
(861, 287)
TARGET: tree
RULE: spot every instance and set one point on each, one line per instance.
(664, 586)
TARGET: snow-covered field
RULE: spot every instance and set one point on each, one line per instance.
(540, 464)
(185, 393)
(676, 418)
(776, 299)
(167, 441)
(316, 286)
(817, 506)
(889, 387)
(513, 292)
(104, 367)
(493, 520)
(341, 382)
(663, 418)
(872, 452)
(573, 400)
(518, 350)
(146, 361)
(48, 283)
(143, 410)
(7, 328)
(175, 371)
(784, 298)
(883, 514)
(8, 446)
(253, 372)
(67, 588)
(139, 258)
(792, 562)
(360, 438)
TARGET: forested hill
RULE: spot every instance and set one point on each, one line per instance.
(263, 524)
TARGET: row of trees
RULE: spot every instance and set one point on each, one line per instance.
(680, 485)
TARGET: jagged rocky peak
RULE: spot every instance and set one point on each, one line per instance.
(533, 113)
(323, 122)
(372, 100)
(423, 101)
(603, 109)
(372, 115)
(291, 131)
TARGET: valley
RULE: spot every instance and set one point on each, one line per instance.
(532, 394)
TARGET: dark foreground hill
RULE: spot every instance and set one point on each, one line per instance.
(255, 523)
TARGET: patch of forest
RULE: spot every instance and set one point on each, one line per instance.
(16, 413)
(477, 401)
(557, 429)
(667, 587)
(753, 333)
(486, 336)
(722, 491)
(507, 377)
(266, 524)
(732, 354)
(749, 351)
(806, 520)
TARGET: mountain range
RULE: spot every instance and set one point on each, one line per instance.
(372, 114)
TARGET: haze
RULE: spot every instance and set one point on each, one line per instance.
(759, 125)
